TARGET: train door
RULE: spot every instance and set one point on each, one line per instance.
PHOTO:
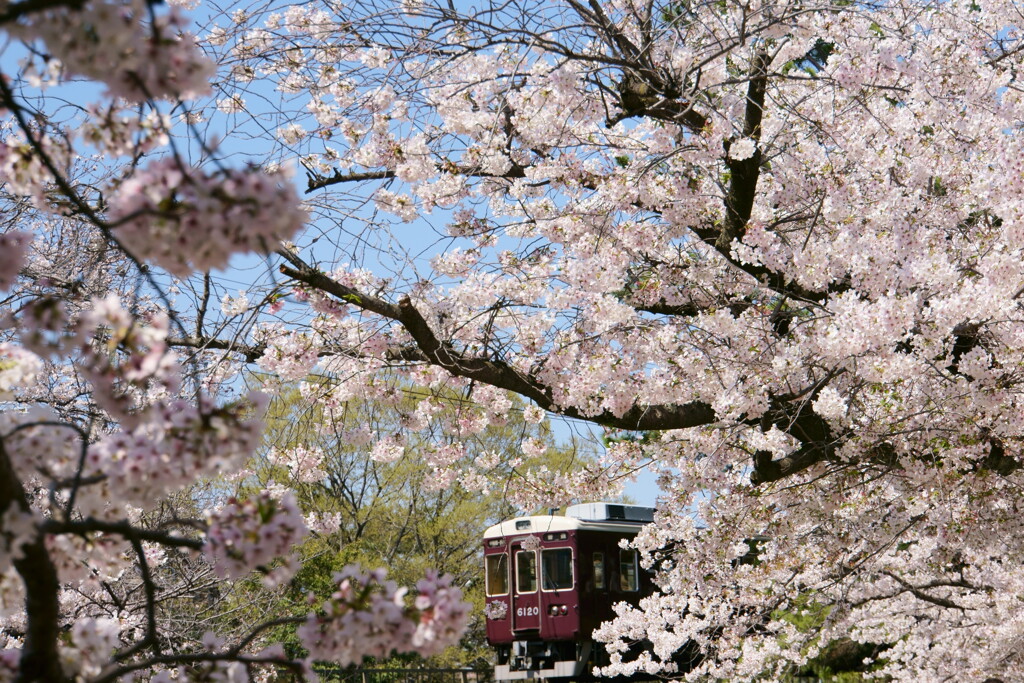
(525, 596)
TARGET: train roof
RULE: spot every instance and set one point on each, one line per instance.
(589, 516)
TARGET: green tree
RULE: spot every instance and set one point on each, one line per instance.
(394, 506)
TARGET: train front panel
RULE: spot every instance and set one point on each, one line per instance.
(550, 581)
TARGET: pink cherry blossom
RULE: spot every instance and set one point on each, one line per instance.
(185, 220)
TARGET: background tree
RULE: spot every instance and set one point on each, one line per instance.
(389, 507)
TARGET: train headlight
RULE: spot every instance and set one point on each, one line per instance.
(564, 610)
(553, 610)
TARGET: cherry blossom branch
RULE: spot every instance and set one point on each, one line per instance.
(251, 353)
(496, 373)
(802, 423)
(82, 207)
(40, 660)
(20, 9)
(767, 470)
(123, 528)
(745, 171)
(151, 639)
(643, 91)
(316, 182)
(918, 593)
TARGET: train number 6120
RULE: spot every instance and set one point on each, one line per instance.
(527, 611)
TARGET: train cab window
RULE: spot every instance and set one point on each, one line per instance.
(628, 578)
(496, 569)
(556, 569)
(526, 571)
(599, 570)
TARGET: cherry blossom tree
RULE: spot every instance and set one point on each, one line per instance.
(772, 245)
(100, 421)
(772, 248)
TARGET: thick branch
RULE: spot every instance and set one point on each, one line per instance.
(317, 182)
(767, 470)
(661, 307)
(497, 373)
(251, 353)
(20, 9)
(803, 424)
(39, 657)
(744, 172)
(123, 528)
(921, 595)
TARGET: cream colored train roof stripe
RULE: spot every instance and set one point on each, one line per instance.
(542, 524)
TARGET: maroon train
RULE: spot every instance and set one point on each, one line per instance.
(551, 580)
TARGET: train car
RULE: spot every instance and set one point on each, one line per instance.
(551, 580)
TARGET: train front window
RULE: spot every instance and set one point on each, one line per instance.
(556, 569)
(526, 571)
(496, 569)
(628, 579)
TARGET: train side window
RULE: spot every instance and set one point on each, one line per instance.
(526, 571)
(556, 569)
(598, 570)
(496, 569)
(627, 571)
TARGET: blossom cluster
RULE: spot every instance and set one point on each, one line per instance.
(18, 368)
(289, 355)
(13, 249)
(111, 42)
(184, 219)
(496, 609)
(25, 173)
(124, 356)
(93, 640)
(304, 464)
(246, 534)
(369, 616)
(178, 442)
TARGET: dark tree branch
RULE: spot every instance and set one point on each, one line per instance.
(40, 660)
(661, 307)
(767, 470)
(152, 638)
(794, 414)
(203, 302)
(123, 528)
(20, 9)
(497, 373)
(316, 182)
(921, 595)
(744, 172)
(252, 353)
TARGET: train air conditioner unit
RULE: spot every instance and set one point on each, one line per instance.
(610, 512)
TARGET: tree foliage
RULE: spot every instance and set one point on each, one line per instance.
(392, 509)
